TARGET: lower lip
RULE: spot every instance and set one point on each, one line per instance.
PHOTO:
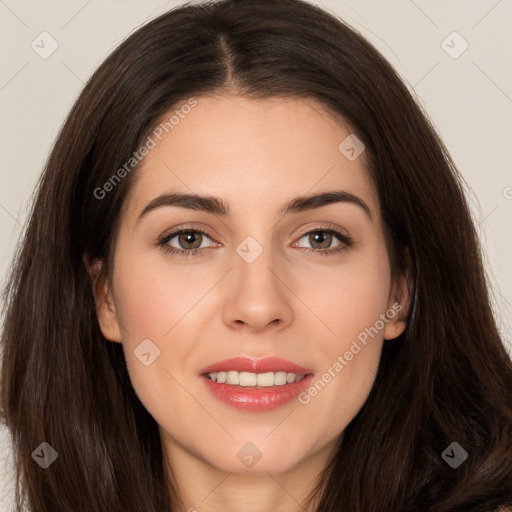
(257, 399)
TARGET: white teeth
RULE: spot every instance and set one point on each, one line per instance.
(246, 379)
(280, 378)
(233, 378)
(266, 379)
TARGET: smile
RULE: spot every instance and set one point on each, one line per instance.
(254, 384)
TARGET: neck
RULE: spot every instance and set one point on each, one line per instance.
(201, 487)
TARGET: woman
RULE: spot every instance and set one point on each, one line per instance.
(325, 343)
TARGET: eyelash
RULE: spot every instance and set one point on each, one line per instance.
(346, 242)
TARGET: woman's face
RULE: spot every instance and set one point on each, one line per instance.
(264, 283)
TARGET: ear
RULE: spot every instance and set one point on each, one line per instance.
(105, 305)
(399, 304)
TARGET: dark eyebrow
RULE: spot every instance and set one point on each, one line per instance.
(217, 206)
(304, 203)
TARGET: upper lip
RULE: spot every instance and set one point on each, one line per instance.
(247, 364)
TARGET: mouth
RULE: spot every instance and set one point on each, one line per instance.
(256, 385)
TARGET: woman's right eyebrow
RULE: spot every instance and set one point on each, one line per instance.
(217, 206)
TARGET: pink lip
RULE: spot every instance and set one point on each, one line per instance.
(246, 364)
(256, 398)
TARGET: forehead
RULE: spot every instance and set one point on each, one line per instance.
(253, 153)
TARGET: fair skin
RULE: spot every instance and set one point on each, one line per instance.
(305, 307)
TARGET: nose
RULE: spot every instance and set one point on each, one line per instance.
(257, 298)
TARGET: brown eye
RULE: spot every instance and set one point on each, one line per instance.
(190, 239)
(188, 242)
(320, 239)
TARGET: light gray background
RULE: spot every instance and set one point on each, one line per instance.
(469, 98)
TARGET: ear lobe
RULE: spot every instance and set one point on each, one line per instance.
(105, 305)
(399, 304)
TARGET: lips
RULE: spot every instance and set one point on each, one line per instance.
(256, 398)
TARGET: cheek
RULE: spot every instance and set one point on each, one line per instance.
(163, 306)
(353, 295)
(349, 355)
(153, 299)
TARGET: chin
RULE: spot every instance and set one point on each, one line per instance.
(257, 458)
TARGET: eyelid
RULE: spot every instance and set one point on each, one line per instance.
(327, 226)
(315, 227)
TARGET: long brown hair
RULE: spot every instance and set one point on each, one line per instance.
(447, 378)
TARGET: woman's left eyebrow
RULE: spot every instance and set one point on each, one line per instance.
(217, 206)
